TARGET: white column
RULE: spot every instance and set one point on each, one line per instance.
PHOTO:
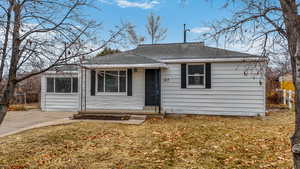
(284, 96)
(290, 99)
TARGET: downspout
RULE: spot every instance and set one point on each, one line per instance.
(81, 88)
(159, 87)
(85, 89)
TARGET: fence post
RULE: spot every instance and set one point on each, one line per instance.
(290, 99)
(25, 98)
(284, 96)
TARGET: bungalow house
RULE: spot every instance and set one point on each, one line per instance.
(181, 78)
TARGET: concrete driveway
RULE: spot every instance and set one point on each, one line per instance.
(16, 121)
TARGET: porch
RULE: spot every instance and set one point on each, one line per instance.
(119, 114)
(120, 90)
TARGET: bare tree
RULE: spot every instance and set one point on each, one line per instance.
(40, 34)
(154, 29)
(133, 37)
(273, 26)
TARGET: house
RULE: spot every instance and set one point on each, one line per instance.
(286, 82)
(181, 78)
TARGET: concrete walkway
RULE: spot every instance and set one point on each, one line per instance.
(16, 121)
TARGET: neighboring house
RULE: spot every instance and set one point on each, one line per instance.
(27, 91)
(286, 82)
(181, 78)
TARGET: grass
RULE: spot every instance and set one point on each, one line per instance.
(188, 142)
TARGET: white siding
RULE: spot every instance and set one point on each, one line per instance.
(136, 101)
(58, 101)
(232, 92)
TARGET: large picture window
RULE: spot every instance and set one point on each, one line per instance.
(111, 81)
(62, 85)
(196, 75)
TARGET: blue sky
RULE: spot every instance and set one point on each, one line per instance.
(174, 13)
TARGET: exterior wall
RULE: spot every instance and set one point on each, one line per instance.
(232, 93)
(58, 101)
(102, 101)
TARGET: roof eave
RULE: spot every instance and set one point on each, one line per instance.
(144, 65)
(206, 60)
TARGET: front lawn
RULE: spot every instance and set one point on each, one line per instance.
(188, 142)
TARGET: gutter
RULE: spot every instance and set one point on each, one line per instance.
(149, 65)
(256, 59)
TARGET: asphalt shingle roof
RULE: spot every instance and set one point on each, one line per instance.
(121, 58)
(152, 53)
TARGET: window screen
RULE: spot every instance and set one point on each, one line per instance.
(75, 85)
(122, 78)
(195, 75)
(63, 85)
(50, 84)
(100, 81)
(111, 81)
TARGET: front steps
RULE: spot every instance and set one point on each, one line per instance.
(119, 114)
(101, 116)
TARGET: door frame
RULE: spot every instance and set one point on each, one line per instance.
(158, 76)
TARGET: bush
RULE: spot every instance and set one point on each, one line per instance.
(275, 98)
(17, 107)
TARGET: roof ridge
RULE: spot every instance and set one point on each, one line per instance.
(178, 43)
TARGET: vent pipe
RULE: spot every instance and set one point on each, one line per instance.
(184, 33)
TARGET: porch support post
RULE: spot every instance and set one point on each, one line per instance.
(84, 89)
(159, 86)
(81, 87)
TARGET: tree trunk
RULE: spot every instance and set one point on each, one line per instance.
(3, 110)
(15, 57)
(295, 139)
(5, 44)
(5, 100)
(294, 48)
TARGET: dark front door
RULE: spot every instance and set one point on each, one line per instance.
(152, 87)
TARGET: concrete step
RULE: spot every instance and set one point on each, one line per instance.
(151, 108)
(119, 112)
(101, 116)
(138, 117)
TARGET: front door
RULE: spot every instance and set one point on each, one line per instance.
(152, 87)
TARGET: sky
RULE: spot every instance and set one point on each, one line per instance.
(174, 13)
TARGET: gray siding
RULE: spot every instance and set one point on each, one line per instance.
(58, 101)
(100, 101)
(232, 92)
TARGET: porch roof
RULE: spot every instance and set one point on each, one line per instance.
(121, 60)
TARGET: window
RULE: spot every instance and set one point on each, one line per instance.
(196, 75)
(62, 85)
(50, 85)
(75, 85)
(112, 81)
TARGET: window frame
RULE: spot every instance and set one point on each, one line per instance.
(54, 85)
(187, 76)
(112, 93)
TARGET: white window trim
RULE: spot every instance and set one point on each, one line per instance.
(187, 76)
(111, 93)
(54, 87)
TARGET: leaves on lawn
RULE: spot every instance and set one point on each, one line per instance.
(187, 142)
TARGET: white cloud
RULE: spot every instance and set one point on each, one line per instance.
(200, 30)
(143, 4)
(105, 1)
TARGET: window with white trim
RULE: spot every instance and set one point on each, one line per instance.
(195, 75)
(112, 81)
(62, 84)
